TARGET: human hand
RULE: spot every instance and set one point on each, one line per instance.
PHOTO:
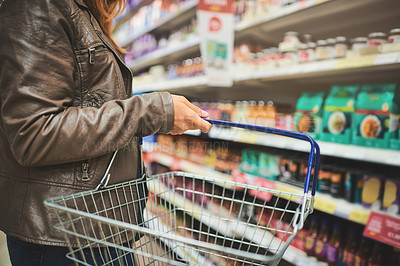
(188, 116)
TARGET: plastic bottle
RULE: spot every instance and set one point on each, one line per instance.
(311, 238)
(334, 246)
(270, 111)
(362, 254)
(321, 245)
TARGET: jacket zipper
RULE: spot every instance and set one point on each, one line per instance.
(91, 54)
(116, 55)
(85, 171)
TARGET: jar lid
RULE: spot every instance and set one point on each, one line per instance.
(395, 31)
(331, 41)
(303, 46)
(311, 45)
(340, 39)
(360, 39)
(321, 42)
(291, 33)
(377, 35)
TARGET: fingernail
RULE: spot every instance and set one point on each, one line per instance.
(204, 113)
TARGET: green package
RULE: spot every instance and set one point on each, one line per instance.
(395, 121)
(268, 166)
(338, 114)
(308, 113)
(374, 124)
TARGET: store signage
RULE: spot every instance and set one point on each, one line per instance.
(216, 29)
(383, 228)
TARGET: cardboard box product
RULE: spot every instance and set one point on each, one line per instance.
(374, 124)
(338, 114)
(308, 113)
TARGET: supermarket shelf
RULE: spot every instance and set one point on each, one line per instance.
(160, 55)
(280, 14)
(125, 17)
(186, 254)
(183, 83)
(381, 156)
(362, 66)
(325, 203)
(230, 227)
(187, 166)
(185, 11)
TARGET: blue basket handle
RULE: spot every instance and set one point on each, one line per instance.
(314, 151)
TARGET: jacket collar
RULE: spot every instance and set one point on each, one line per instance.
(81, 3)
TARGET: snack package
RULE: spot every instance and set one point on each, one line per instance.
(308, 113)
(338, 114)
(391, 196)
(374, 124)
(268, 166)
(372, 192)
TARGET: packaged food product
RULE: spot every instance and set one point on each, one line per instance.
(395, 121)
(359, 43)
(268, 166)
(372, 192)
(321, 51)
(324, 181)
(391, 196)
(340, 47)
(338, 114)
(308, 113)
(394, 36)
(374, 125)
(311, 51)
(377, 38)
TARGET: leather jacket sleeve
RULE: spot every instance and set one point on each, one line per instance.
(37, 85)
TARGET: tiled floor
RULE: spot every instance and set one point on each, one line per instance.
(4, 259)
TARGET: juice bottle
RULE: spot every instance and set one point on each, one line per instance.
(311, 238)
(362, 254)
(321, 245)
(270, 111)
(261, 115)
(334, 246)
(350, 248)
(252, 113)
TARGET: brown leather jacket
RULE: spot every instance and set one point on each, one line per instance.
(65, 106)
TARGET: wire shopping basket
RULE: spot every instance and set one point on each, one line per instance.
(188, 219)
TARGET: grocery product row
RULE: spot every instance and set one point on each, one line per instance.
(366, 115)
(370, 189)
(327, 239)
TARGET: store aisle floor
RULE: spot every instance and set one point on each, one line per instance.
(4, 259)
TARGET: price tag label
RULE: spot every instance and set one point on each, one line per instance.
(359, 216)
(365, 61)
(345, 63)
(383, 228)
(384, 59)
(325, 205)
(248, 137)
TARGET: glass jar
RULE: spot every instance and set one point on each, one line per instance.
(330, 48)
(376, 39)
(394, 36)
(359, 43)
(321, 50)
(302, 53)
(340, 47)
(311, 51)
(291, 37)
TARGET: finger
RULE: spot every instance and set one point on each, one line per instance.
(198, 111)
(201, 124)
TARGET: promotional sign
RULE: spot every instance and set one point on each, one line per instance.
(383, 228)
(216, 29)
